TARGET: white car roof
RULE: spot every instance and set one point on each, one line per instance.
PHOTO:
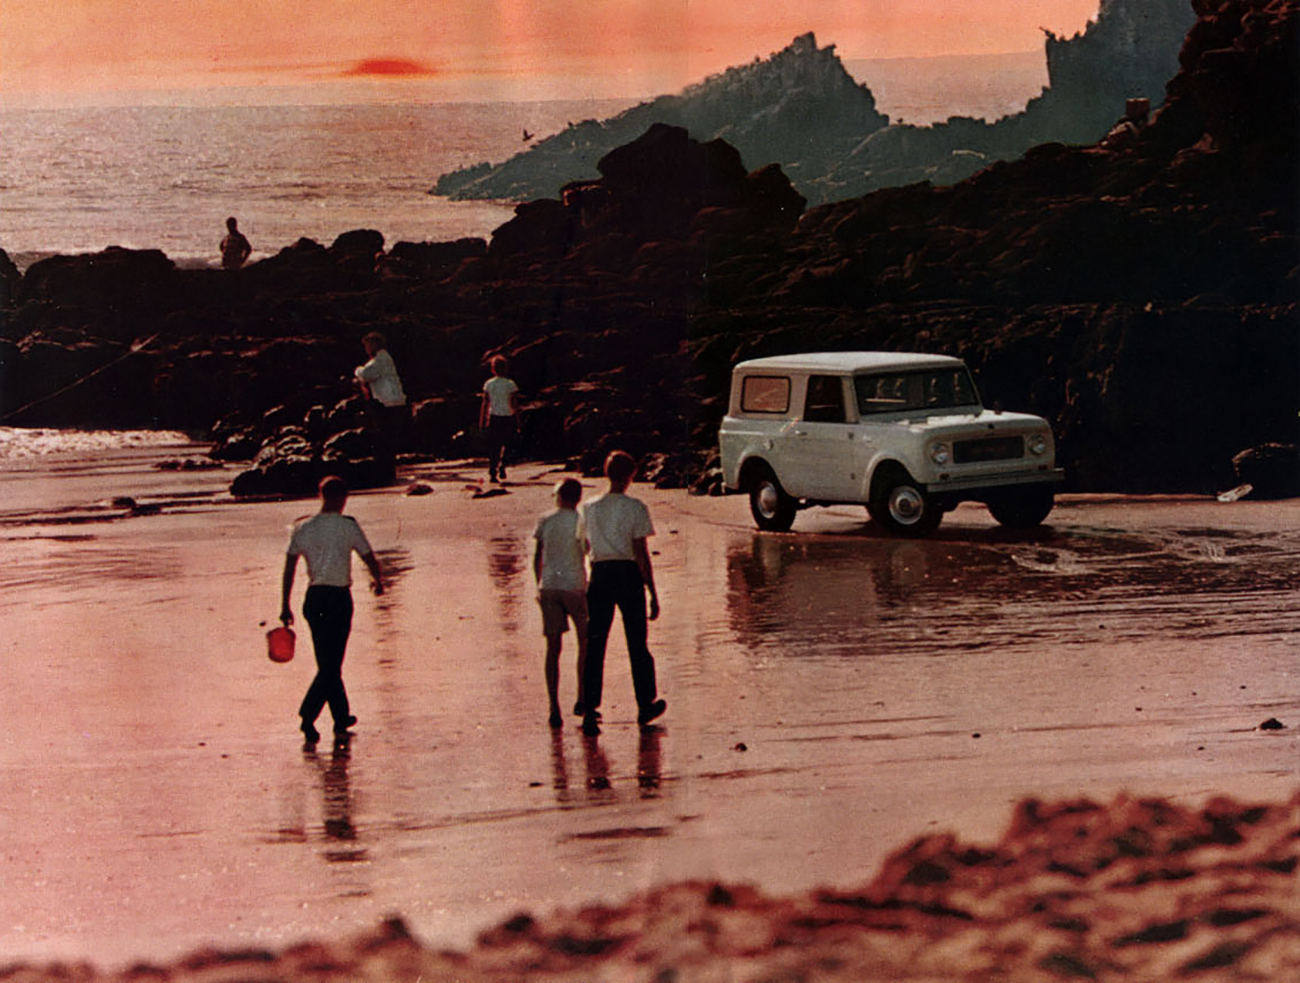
(846, 362)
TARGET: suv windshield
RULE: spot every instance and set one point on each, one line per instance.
(928, 389)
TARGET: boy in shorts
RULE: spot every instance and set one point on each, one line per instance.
(562, 588)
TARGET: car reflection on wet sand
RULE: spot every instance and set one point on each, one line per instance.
(857, 593)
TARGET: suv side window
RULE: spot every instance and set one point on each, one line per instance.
(825, 400)
(765, 394)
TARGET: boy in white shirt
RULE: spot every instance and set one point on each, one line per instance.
(499, 415)
(615, 527)
(327, 539)
(561, 577)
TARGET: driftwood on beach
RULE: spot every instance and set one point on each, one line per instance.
(1142, 297)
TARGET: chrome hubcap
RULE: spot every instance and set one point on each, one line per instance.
(768, 500)
(905, 505)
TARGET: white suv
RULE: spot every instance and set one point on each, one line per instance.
(903, 434)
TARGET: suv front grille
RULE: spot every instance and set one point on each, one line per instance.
(987, 449)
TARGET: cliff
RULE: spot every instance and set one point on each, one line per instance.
(1129, 52)
(801, 109)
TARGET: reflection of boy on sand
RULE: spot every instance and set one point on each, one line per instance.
(562, 588)
(327, 540)
(235, 249)
(615, 527)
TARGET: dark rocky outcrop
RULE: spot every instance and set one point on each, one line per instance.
(801, 110)
(1142, 296)
(1129, 52)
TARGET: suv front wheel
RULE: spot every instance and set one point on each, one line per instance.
(901, 505)
(772, 508)
(1022, 508)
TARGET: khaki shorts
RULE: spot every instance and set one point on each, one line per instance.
(558, 606)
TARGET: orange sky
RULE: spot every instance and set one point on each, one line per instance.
(81, 50)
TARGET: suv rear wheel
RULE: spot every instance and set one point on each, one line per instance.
(901, 506)
(772, 508)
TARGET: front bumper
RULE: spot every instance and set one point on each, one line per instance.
(970, 486)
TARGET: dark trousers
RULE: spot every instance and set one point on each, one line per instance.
(328, 611)
(617, 583)
(501, 432)
(390, 423)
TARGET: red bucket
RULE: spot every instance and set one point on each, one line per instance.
(279, 644)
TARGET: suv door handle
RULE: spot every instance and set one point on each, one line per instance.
(801, 433)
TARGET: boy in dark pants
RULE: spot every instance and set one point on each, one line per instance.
(327, 540)
(615, 527)
(499, 416)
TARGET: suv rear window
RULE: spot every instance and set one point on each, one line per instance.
(765, 394)
(924, 390)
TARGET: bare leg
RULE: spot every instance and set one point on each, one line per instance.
(582, 659)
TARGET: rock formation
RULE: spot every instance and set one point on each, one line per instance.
(801, 109)
(1129, 52)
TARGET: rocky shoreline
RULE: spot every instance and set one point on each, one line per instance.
(1142, 295)
(1131, 889)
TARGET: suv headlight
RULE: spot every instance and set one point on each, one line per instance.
(940, 453)
(1037, 444)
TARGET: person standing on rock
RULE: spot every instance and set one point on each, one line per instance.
(614, 528)
(235, 248)
(499, 416)
(382, 386)
(328, 539)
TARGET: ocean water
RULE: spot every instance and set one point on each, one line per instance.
(166, 177)
(36, 444)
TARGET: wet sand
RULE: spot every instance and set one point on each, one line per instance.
(832, 693)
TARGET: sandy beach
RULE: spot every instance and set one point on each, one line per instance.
(832, 695)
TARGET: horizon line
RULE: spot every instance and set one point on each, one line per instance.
(377, 89)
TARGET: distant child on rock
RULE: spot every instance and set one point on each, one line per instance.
(499, 415)
(615, 527)
(328, 539)
(561, 575)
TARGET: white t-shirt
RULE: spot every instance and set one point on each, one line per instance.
(562, 566)
(499, 389)
(380, 373)
(327, 540)
(611, 522)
